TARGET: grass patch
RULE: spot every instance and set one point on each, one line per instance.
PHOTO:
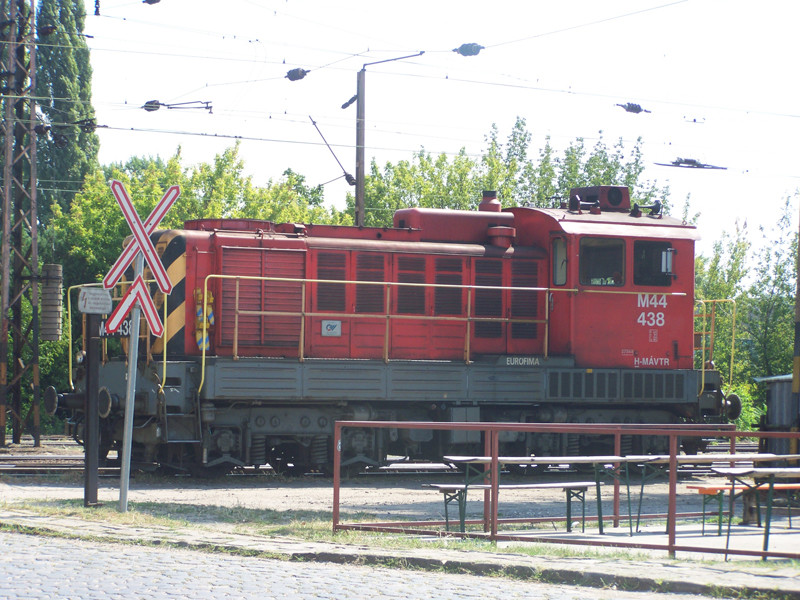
(315, 526)
(312, 526)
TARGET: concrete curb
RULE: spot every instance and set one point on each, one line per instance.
(739, 579)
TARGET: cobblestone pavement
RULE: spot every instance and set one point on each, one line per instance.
(36, 567)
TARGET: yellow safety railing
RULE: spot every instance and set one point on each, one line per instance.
(706, 335)
(386, 315)
(118, 289)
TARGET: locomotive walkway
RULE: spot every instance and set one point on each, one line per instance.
(737, 578)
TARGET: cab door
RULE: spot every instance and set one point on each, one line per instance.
(559, 301)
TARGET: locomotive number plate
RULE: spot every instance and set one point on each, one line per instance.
(123, 331)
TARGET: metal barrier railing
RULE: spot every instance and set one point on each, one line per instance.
(491, 433)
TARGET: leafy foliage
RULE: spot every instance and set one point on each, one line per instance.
(441, 182)
(768, 327)
(68, 152)
(87, 239)
(762, 284)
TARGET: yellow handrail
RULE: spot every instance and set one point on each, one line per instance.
(303, 313)
(387, 316)
(704, 316)
(120, 285)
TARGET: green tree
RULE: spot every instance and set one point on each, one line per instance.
(546, 188)
(761, 279)
(290, 200)
(768, 306)
(507, 167)
(425, 181)
(604, 166)
(64, 96)
(87, 239)
(720, 285)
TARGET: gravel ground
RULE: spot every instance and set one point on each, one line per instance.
(391, 496)
(382, 495)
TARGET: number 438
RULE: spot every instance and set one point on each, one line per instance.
(651, 319)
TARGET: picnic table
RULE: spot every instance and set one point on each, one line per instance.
(749, 477)
(477, 476)
(654, 465)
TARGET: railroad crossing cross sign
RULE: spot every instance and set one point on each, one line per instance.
(138, 291)
(141, 243)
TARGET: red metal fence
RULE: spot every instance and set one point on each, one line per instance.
(491, 435)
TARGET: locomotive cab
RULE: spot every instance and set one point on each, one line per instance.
(615, 268)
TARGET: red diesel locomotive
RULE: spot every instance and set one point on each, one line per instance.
(583, 313)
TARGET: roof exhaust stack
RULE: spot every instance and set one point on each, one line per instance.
(490, 203)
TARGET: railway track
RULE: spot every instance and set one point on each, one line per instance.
(29, 461)
(46, 464)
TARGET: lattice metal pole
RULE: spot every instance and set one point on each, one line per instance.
(19, 254)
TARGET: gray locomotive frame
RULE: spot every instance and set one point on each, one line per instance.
(253, 410)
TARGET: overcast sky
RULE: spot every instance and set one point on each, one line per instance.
(717, 75)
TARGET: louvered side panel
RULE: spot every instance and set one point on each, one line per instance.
(526, 338)
(283, 296)
(262, 334)
(246, 262)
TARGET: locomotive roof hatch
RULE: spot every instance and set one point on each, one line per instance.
(487, 224)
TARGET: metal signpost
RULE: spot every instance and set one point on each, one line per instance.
(138, 295)
(92, 302)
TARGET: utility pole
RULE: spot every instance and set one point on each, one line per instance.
(19, 256)
(360, 129)
(360, 176)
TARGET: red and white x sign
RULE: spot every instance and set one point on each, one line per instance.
(138, 291)
(141, 237)
(141, 243)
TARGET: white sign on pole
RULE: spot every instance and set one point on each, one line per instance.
(94, 301)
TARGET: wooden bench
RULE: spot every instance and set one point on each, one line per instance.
(711, 493)
(457, 492)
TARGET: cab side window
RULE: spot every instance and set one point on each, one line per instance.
(652, 263)
(602, 261)
(559, 254)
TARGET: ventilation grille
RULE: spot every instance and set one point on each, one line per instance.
(604, 385)
(598, 385)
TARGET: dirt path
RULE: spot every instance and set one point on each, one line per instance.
(384, 496)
